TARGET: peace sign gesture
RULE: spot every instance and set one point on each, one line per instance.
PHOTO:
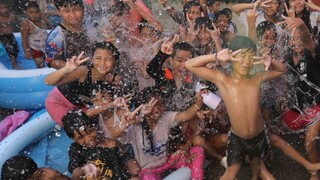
(147, 108)
(253, 14)
(264, 59)
(290, 12)
(227, 54)
(167, 45)
(75, 61)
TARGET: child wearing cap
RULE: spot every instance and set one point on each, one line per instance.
(241, 93)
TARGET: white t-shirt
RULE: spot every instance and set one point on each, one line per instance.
(314, 16)
(141, 146)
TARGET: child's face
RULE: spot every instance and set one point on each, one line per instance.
(223, 23)
(148, 36)
(4, 10)
(193, 13)
(72, 15)
(297, 5)
(296, 42)
(86, 136)
(33, 14)
(215, 7)
(102, 98)
(244, 66)
(178, 62)
(204, 35)
(269, 38)
(273, 9)
(103, 61)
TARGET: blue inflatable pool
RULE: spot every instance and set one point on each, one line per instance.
(25, 88)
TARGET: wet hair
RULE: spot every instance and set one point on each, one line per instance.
(77, 121)
(183, 46)
(107, 46)
(188, 5)
(30, 4)
(242, 42)
(228, 11)
(221, 13)
(211, 2)
(18, 168)
(64, 3)
(147, 25)
(263, 27)
(206, 21)
(142, 98)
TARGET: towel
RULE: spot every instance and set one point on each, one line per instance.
(12, 122)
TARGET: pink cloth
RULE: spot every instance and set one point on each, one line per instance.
(57, 105)
(178, 160)
(89, 1)
(12, 122)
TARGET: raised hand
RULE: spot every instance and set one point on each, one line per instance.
(91, 171)
(167, 45)
(253, 14)
(264, 59)
(215, 34)
(290, 12)
(130, 118)
(73, 63)
(146, 109)
(291, 23)
(262, 3)
(227, 54)
(312, 6)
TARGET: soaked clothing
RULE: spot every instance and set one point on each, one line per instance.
(37, 38)
(238, 148)
(125, 148)
(177, 99)
(62, 44)
(78, 92)
(141, 146)
(303, 94)
(10, 44)
(71, 96)
(106, 159)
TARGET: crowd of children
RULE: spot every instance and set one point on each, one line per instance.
(133, 96)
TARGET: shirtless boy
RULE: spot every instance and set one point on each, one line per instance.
(241, 94)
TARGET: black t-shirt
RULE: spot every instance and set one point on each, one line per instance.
(106, 159)
(307, 67)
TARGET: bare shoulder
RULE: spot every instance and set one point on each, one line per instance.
(81, 73)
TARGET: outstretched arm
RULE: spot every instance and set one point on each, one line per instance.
(276, 67)
(238, 8)
(197, 65)
(70, 72)
(190, 113)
